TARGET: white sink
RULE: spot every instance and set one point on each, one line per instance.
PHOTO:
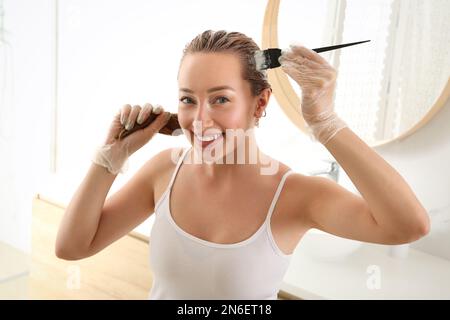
(324, 246)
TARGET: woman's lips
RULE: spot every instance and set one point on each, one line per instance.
(204, 144)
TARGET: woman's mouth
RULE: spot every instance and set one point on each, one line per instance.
(209, 139)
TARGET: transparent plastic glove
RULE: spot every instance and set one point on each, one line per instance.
(317, 80)
(113, 154)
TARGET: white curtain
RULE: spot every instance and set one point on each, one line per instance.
(386, 86)
(361, 68)
(422, 64)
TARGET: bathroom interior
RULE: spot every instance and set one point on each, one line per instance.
(66, 63)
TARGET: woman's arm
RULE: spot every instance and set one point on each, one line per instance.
(82, 215)
(388, 211)
(88, 224)
(392, 204)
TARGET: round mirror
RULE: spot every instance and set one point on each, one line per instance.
(386, 88)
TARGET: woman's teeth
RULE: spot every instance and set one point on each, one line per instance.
(209, 137)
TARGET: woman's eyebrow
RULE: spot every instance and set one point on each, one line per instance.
(209, 90)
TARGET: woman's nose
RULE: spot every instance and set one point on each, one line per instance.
(202, 115)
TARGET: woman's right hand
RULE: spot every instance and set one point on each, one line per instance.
(128, 117)
(114, 153)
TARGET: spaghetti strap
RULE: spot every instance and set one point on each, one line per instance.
(180, 161)
(277, 193)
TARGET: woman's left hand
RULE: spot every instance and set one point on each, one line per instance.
(316, 78)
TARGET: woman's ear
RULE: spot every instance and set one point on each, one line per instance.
(262, 102)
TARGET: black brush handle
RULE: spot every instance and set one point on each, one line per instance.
(323, 49)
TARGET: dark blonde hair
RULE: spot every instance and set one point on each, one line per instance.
(236, 43)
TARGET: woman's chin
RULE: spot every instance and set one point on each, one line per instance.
(212, 153)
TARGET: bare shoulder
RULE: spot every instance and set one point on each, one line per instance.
(295, 197)
(159, 169)
(154, 169)
(306, 192)
(164, 160)
(300, 192)
(162, 163)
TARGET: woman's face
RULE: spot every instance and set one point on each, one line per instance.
(214, 101)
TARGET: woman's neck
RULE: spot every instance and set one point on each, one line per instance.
(234, 167)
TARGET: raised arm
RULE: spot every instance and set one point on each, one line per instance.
(89, 224)
(388, 211)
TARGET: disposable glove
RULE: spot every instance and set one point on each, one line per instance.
(114, 153)
(317, 80)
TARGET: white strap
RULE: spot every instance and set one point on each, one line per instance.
(277, 193)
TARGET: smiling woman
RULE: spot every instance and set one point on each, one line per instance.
(227, 229)
(221, 90)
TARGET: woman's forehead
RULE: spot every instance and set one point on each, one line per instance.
(214, 58)
(221, 67)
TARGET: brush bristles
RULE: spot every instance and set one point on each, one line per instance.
(267, 59)
(260, 60)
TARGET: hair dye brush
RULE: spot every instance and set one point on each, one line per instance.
(268, 59)
(168, 129)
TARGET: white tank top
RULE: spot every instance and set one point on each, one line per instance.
(187, 267)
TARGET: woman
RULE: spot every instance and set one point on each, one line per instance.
(226, 229)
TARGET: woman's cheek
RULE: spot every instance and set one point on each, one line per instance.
(236, 118)
(183, 118)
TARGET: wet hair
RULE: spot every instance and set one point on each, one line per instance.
(236, 43)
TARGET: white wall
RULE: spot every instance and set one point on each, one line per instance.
(24, 113)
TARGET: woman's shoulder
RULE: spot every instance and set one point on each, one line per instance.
(278, 169)
(294, 180)
(295, 193)
(169, 157)
(159, 168)
(165, 160)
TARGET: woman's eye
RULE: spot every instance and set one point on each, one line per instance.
(223, 99)
(220, 100)
(186, 100)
